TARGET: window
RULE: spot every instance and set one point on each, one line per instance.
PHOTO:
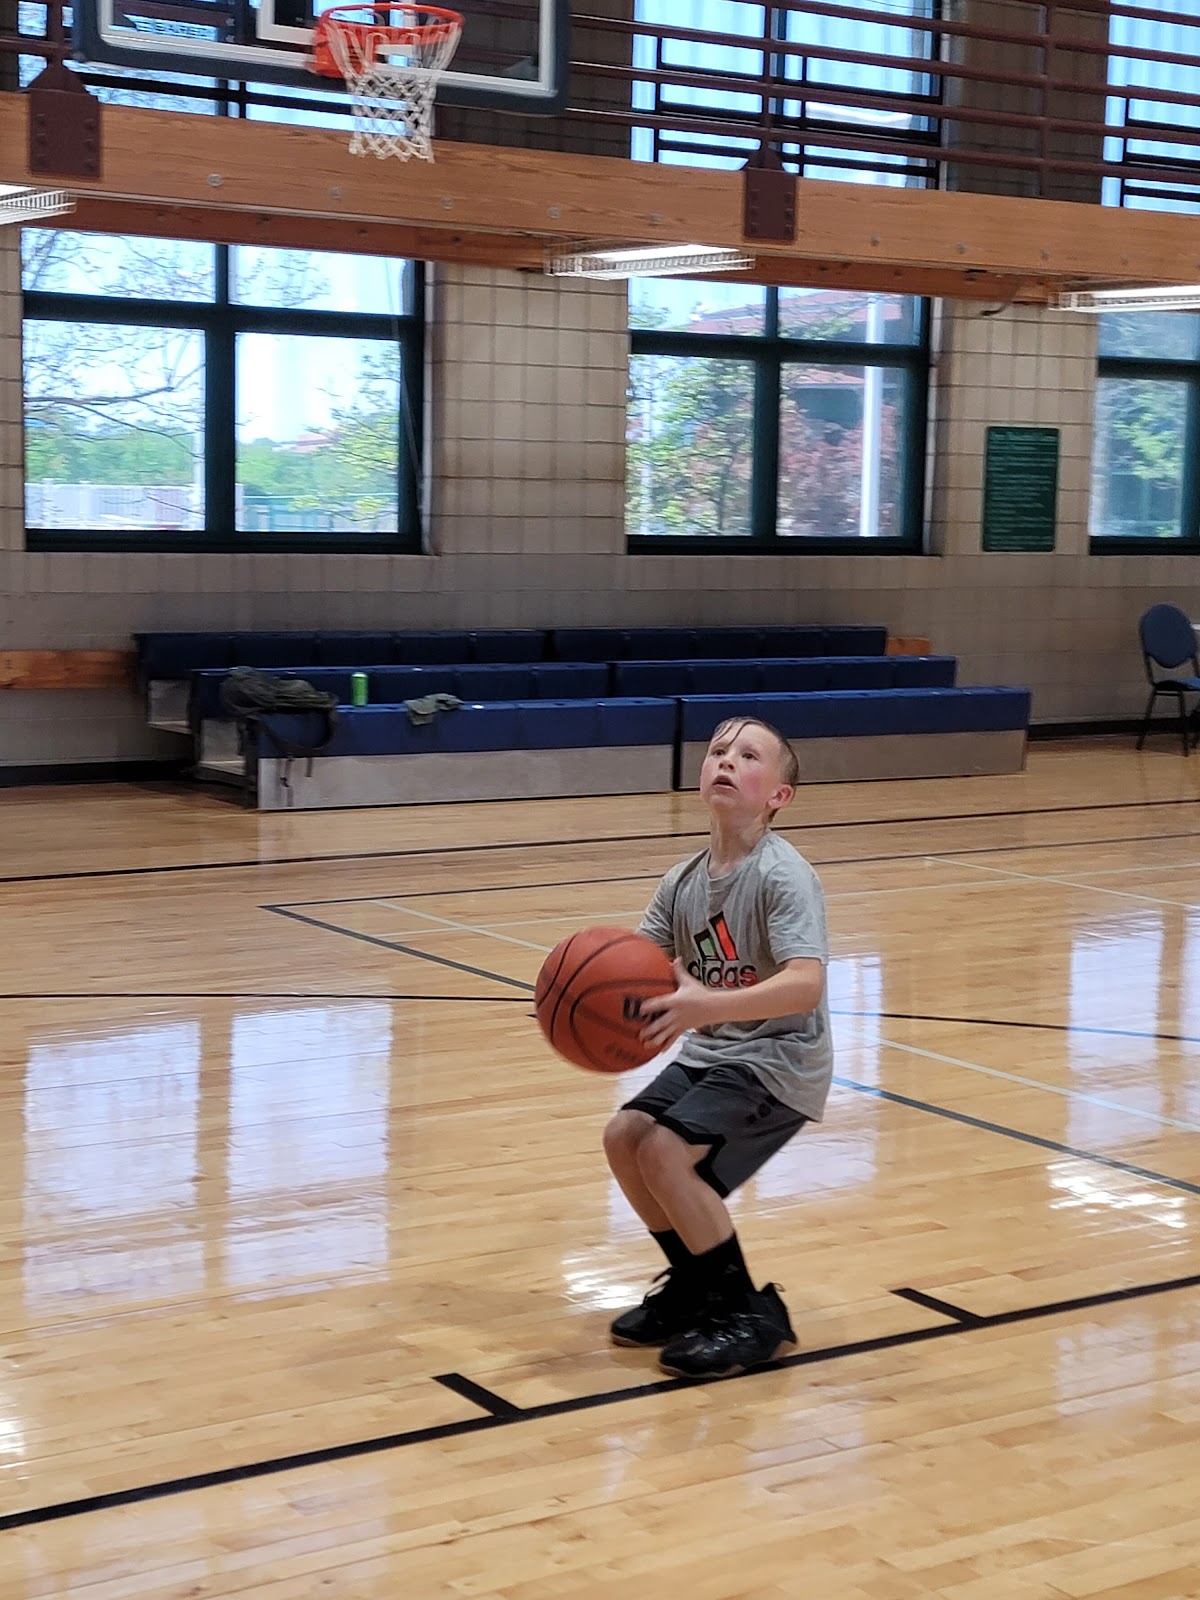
(1145, 485)
(1154, 99)
(192, 396)
(774, 419)
(704, 101)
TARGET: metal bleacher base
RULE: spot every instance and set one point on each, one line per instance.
(219, 756)
(218, 745)
(167, 705)
(461, 775)
(892, 755)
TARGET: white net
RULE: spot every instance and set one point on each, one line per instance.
(391, 58)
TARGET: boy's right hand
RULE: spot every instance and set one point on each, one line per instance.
(688, 1006)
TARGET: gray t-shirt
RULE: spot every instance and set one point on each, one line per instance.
(736, 931)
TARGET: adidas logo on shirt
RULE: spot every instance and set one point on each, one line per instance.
(718, 965)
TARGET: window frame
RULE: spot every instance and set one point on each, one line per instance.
(219, 321)
(769, 352)
(1180, 369)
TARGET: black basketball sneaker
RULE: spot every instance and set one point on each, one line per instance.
(730, 1339)
(672, 1307)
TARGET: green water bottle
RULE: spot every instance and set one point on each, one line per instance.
(358, 688)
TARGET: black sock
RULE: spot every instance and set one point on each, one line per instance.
(673, 1247)
(723, 1271)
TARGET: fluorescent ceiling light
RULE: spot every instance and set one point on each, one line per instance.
(645, 261)
(19, 203)
(1177, 297)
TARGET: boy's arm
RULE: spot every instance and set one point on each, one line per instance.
(795, 989)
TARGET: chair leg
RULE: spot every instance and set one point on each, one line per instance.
(1146, 720)
(1185, 733)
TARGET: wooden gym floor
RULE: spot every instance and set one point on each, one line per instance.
(307, 1249)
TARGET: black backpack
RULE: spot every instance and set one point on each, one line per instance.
(251, 697)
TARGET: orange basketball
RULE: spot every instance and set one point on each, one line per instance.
(589, 994)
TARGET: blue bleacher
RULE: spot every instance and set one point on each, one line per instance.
(848, 713)
(498, 725)
(559, 680)
(624, 720)
(541, 680)
(783, 676)
(274, 650)
(172, 656)
(355, 650)
(587, 689)
(508, 644)
(662, 644)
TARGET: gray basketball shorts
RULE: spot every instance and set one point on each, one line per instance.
(726, 1107)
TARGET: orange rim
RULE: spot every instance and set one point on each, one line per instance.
(349, 20)
(443, 23)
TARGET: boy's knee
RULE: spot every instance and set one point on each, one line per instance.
(625, 1132)
(663, 1155)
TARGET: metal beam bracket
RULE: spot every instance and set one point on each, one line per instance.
(64, 125)
(768, 198)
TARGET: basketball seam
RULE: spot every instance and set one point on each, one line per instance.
(583, 965)
(598, 1066)
(564, 946)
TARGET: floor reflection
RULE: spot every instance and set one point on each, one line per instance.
(164, 1157)
(111, 1164)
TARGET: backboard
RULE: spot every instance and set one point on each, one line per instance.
(513, 54)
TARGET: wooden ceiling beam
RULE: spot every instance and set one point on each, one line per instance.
(154, 220)
(934, 282)
(230, 166)
(398, 239)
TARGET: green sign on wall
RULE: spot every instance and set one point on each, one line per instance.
(1020, 488)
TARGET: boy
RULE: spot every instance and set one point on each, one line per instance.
(744, 922)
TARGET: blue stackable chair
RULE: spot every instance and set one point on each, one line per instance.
(1168, 642)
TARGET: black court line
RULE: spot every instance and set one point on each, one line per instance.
(1112, 1162)
(931, 1302)
(402, 949)
(1053, 1308)
(1003, 1022)
(950, 855)
(959, 1322)
(377, 855)
(528, 988)
(846, 1083)
(468, 1389)
(816, 861)
(556, 844)
(475, 889)
(515, 999)
(256, 994)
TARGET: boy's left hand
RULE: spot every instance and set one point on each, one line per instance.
(669, 1015)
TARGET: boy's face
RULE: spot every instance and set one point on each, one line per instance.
(740, 775)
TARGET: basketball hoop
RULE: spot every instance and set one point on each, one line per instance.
(391, 57)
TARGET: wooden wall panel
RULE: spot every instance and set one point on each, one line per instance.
(66, 669)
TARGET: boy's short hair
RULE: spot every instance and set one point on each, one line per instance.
(789, 761)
